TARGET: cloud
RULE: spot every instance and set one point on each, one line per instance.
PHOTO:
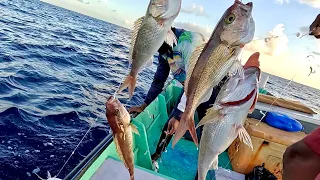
(205, 31)
(312, 3)
(274, 45)
(282, 1)
(304, 29)
(195, 9)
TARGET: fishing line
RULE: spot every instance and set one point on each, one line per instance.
(74, 150)
(91, 125)
(271, 105)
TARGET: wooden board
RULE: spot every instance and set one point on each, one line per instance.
(269, 145)
(268, 133)
(293, 105)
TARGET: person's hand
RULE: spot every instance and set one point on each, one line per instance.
(315, 28)
(137, 109)
(172, 126)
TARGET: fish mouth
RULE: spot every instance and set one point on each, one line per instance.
(112, 101)
(111, 98)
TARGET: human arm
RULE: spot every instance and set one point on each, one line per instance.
(159, 80)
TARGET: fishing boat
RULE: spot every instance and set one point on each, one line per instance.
(178, 163)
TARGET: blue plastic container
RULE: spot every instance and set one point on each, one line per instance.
(284, 122)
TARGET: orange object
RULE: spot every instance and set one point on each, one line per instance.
(269, 145)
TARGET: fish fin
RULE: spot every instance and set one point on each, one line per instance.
(233, 82)
(149, 62)
(134, 129)
(192, 63)
(214, 164)
(252, 108)
(193, 133)
(171, 38)
(237, 68)
(118, 149)
(131, 177)
(244, 136)
(129, 82)
(206, 96)
(182, 128)
(136, 26)
(211, 116)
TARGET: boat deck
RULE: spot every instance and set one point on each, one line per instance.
(178, 163)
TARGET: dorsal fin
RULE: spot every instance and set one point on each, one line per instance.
(136, 26)
(192, 62)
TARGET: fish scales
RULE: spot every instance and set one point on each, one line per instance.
(224, 121)
(119, 122)
(218, 62)
(211, 63)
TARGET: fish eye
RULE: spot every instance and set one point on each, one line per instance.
(229, 19)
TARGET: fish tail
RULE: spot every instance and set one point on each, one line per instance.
(130, 83)
(186, 123)
(131, 172)
(192, 130)
(131, 177)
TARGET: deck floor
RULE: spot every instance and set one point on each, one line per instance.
(181, 162)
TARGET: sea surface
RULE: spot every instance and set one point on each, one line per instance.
(57, 68)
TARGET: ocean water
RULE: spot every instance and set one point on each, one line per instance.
(281, 87)
(48, 55)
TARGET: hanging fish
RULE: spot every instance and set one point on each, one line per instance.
(211, 61)
(148, 35)
(119, 121)
(224, 121)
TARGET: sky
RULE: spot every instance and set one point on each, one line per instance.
(285, 56)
